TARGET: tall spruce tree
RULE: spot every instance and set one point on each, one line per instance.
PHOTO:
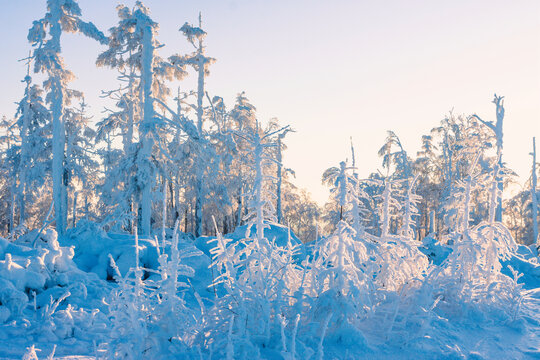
(45, 35)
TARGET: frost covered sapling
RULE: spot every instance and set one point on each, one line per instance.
(340, 276)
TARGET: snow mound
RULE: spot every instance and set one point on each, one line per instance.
(45, 298)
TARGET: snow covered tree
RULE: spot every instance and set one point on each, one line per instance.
(133, 51)
(342, 186)
(445, 159)
(426, 168)
(44, 35)
(410, 211)
(9, 165)
(389, 204)
(261, 207)
(300, 212)
(279, 174)
(124, 54)
(145, 171)
(201, 63)
(80, 162)
(397, 158)
(497, 129)
(242, 118)
(348, 194)
(119, 190)
(33, 123)
(359, 199)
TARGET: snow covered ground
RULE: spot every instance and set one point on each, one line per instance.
(61, 294)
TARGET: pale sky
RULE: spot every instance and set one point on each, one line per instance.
(332, 69)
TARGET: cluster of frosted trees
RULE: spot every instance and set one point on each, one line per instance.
(460, 148)
(160, 155)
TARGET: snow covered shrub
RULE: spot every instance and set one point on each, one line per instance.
(129, 311)
(375, 281)
(176, 323)
(150, 317)
(400, 262)
(340, 278)
(344, 287)
(257, 281)
(471, 275)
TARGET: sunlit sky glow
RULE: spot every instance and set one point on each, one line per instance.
(332, 69)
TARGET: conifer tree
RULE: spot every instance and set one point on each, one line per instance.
(133, 52)
(33, 123)
(44, 35)
(201, 63)
(9, 164)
